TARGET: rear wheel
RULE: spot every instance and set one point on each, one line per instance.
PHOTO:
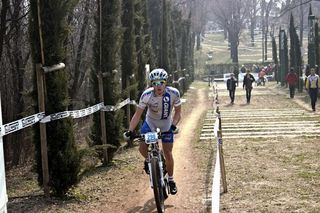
(157, 188)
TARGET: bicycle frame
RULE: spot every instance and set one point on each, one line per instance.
(154, 151)
(158, 181)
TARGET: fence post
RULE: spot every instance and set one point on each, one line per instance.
(103, 119)
(43, 133)
(222, 166)
(3, 187)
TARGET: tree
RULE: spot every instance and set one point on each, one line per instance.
(231, 15)
(154, 9)
(311, 40)
(63, 157)
(265, 12)
(164, 37)
(80, 50)
(143, 47)
(275, 58)
(14, 55)
(317, 45)
(253, 10)
(107, 51)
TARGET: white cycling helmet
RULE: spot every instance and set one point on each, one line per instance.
(158, 74)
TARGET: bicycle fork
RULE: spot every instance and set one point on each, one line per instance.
(162, 179)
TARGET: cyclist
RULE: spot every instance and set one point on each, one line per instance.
(160, 100)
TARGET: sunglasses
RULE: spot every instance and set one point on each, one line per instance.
(158, 83)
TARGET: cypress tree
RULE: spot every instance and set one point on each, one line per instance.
(149, 53)
(317, 45)
(292, 42)
(154, 8)
(286, 58)
(275, 57)
(128, 53)
(111, 40)
(295, 51)
(63, 157)
(140, 48)
(164, 48)
(311, 43)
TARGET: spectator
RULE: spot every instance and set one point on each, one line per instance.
(312, 86)
(261, 75)
(247, 84)
(292, 80)
(231, 86)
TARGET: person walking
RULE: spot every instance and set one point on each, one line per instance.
(159, 100)
(292, 80)
(231, 86)
(247, 84)
(312, 86)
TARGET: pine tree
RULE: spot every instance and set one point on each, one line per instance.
(63, 157)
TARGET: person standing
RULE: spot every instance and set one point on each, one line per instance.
(247, 84)
(312, 86)
(231, 86)
(292, 80)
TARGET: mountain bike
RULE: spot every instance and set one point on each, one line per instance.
(158, 175)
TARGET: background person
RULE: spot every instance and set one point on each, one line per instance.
(292, 80)
(159, 100)
(231, 86)
(247, 84)
(312, 86)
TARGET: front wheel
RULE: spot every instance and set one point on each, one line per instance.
(157, 188)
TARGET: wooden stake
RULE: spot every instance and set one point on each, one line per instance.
(43, 133)
(222, 166)
(103, 120)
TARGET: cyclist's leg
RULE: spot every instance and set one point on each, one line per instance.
(167, 145)
(143, 148)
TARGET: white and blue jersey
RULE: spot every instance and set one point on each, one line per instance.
(159, 110)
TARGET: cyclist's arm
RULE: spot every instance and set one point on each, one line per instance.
(177, 115)
(135, 119)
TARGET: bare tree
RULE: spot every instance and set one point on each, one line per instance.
(80, 46)
(231, 15)
(253, 10)
(15, 52)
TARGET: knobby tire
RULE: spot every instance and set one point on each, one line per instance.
(157, 188)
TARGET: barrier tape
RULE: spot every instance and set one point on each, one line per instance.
(215, 202)
(110, 108)
(74, 114)
(216, 127)
(42, 118)
(20, 124)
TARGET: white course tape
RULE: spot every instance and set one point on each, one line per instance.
(32, 119)
(74, 114)
(216, 127)
(20, 124)
(110, 108)
(215, 202)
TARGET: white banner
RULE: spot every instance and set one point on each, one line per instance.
(74, 114)
(110, 108)
(20, 124)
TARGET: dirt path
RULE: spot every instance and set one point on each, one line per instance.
(185, 170)
(124, 187)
